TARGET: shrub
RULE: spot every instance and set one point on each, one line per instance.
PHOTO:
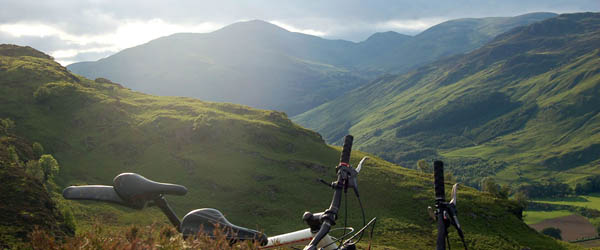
(150, 237)
(49, 166)
(38, 150)
(6, 125)
(552, 232)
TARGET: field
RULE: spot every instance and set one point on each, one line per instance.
(573, 227)
(533, 217)
(587, 201)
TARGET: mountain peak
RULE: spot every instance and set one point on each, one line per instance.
(15, 50)
(387, 36)
(253, 26)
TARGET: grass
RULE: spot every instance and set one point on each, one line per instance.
(586, 201)
(532, 217)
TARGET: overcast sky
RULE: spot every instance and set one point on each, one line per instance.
(84, 30)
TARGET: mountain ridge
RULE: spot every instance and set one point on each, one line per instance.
(487, 107)
(238, 62)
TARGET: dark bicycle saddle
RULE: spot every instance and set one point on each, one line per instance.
(206, 220)
(137, 190)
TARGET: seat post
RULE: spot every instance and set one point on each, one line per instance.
(162, 203)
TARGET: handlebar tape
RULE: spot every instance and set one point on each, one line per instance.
(345, 159)
(438, 184)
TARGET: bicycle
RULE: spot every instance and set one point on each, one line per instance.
(135, 191)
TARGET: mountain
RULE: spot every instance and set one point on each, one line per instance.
(256, 166)
(259, 64)
(253, 63)
(445, 39)
(524, 106)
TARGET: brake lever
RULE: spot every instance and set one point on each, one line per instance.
(454, 191)
(431, 213)
(360, 164)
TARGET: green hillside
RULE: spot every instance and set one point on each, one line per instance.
(256, 166)
(27, 204)
(445, 39)
(238, 63)
(523, 107)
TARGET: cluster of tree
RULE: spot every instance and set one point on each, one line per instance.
(35, 169)
(552, 232)
(42, 166)
(470, 171)
(550, 188)
(591, 184)
(488, 184)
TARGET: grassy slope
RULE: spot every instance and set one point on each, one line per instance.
(256, 166)
(532, 217)
(26, 203)
(525, 103)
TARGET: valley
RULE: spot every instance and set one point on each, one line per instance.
(250, 116)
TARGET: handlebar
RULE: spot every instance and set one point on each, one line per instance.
(438, 184)
(345, 158)
(345, 178)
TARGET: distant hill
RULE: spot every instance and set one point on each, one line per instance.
(253, 63)
(522, 107)
(445, 39)
(259, 64)
(256, 166)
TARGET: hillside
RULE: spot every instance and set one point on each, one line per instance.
(524, 106)
(259, 64)
(26, 203)
(255, 166)
(445, 39)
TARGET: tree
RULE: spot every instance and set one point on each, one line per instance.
(6, 125)
(423, 166)
(488, 184)
(33, 168)
(13, 156)
(49, 166)
(38, 150)
(522, 199)
(552, 232)
(504, 191)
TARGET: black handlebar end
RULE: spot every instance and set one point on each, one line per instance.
(346, 149)
(438, 175)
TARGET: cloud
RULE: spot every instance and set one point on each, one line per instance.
(66, 46)
(93, 27)
(408, 26)
(299, 30)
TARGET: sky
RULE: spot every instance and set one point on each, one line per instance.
(88, 30)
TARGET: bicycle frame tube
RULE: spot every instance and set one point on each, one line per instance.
(300, 237)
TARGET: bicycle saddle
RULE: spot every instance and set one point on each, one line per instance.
(206, 220)
(137, 190)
